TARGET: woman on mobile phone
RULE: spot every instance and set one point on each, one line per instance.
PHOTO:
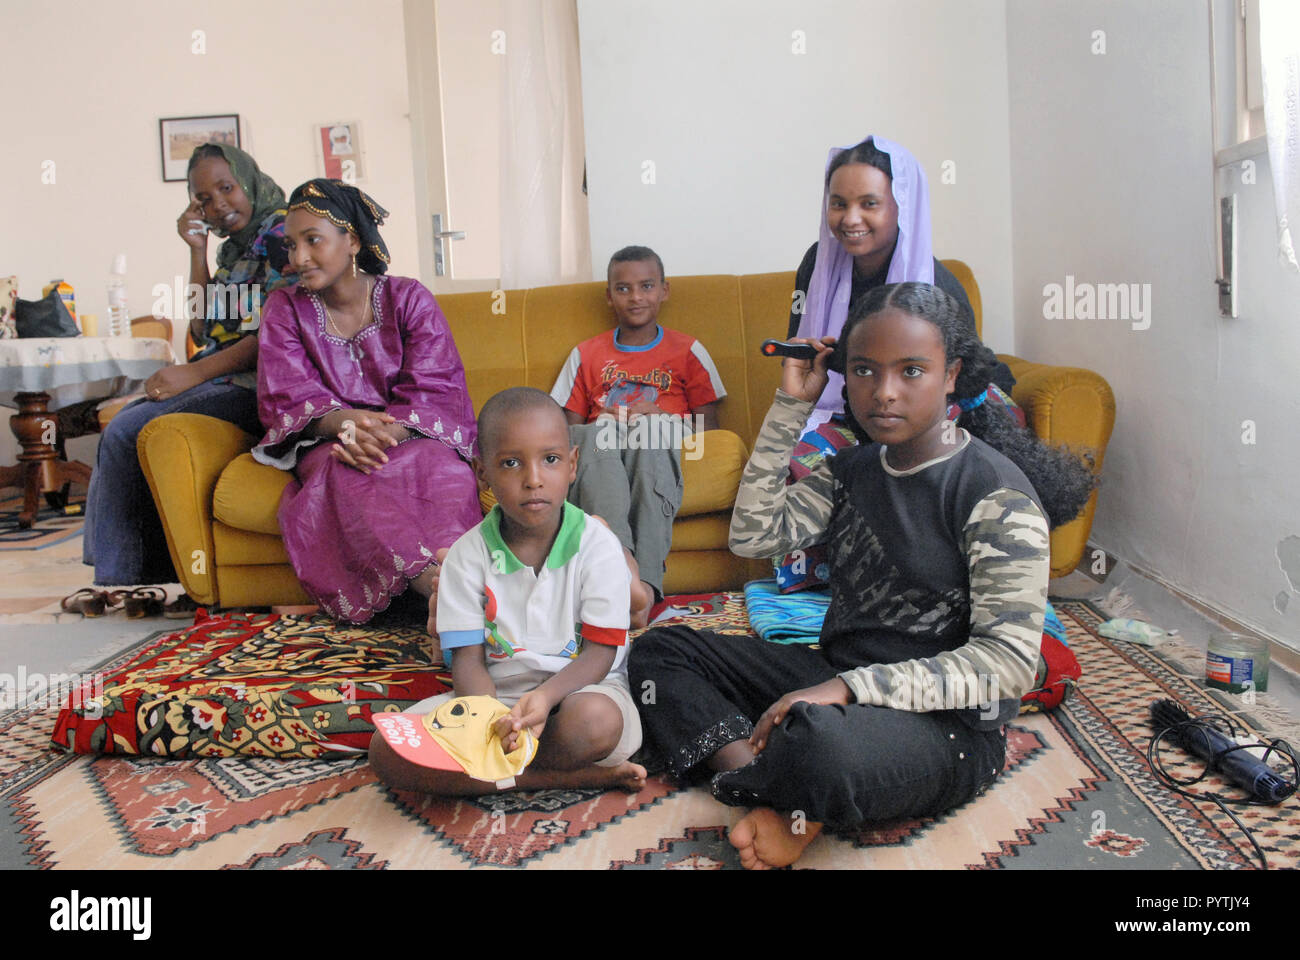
(232, 198)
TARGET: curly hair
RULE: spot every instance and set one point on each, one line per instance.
(1062, 479)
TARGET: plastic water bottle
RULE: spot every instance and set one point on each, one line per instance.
(119, 320)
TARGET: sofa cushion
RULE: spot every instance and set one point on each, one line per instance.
(231, 545)
(709, 570)
(711, 481)
(708, 531)
(765, 300)
(259, 586)
(489, 332)
(247, 496)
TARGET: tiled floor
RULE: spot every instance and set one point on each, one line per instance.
(36, 636)
(33, 580)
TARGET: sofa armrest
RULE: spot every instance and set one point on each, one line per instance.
(1070, 407)
(183, 455)
(1064, 406)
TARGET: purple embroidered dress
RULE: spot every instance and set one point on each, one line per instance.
(356, 541)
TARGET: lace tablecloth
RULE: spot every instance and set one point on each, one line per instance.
(73, 369)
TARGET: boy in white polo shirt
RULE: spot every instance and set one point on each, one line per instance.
(533, 610)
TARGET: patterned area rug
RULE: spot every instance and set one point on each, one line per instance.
(50, 527)
(1075, 793)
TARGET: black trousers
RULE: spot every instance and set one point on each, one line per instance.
(839, 765)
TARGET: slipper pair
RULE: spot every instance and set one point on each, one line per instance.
(139, 602)
(88, 602)
(183, 607)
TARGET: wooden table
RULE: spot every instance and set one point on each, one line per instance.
(43, 374)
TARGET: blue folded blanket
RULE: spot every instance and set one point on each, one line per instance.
(1052, 626)
(785, 617)
(797, 617)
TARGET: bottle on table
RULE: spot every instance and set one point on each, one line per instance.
(119, 320)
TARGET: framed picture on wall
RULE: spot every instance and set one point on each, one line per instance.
(338, 151)
(180, 135)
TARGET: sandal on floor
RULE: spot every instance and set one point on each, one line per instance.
(183, 607)
(87, 601)
(140, 602)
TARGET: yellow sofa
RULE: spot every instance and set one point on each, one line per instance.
(218, 505)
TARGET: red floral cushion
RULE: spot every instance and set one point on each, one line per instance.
(254, 685)
(1057, 676)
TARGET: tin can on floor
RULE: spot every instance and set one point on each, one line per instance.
(1236, 663)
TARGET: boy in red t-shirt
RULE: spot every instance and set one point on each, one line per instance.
(633, 395)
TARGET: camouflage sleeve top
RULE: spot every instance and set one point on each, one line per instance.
(772, 518)
(939, 574)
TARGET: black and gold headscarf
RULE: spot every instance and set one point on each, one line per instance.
(345, 206)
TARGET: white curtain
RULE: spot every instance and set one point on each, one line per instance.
(1279, 54)
(545, 235)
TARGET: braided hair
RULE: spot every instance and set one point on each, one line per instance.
(204, 151)
(864, 152)
(1062, 479)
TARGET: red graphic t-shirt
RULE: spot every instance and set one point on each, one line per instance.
(673, 371)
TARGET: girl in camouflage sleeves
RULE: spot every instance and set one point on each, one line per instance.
(938, 536)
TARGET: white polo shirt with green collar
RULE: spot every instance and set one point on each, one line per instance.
(535, 621)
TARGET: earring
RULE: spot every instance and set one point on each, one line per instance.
(354, 266)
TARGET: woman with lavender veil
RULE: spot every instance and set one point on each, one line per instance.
(875, 229)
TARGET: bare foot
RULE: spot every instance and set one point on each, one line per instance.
(764, 839)
(626, 776)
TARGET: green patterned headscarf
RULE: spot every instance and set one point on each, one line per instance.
(263, 192)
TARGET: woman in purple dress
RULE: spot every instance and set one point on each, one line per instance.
(363, 397)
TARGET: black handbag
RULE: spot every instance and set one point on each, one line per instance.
(47, 317)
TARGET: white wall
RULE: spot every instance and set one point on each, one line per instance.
(1112, 181)
(88, 82)
(738, 126)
